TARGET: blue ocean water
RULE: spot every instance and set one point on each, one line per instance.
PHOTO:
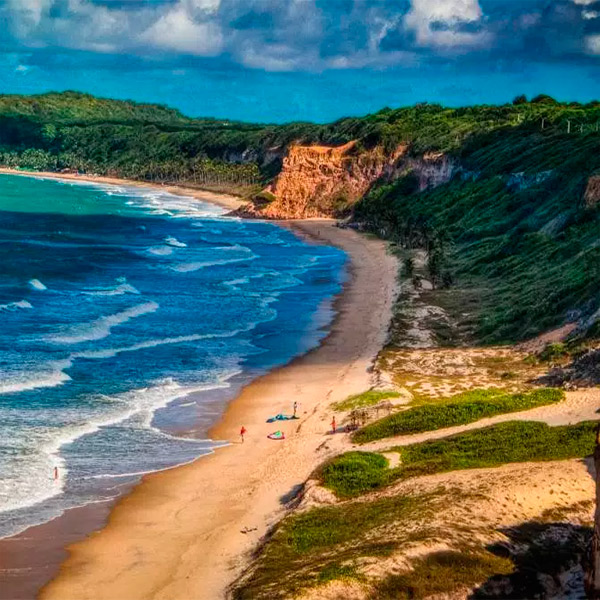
(124, 310)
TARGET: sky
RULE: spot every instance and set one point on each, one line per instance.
(290, 60)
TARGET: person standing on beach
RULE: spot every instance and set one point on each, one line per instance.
(242, 432)
(333, 425)
(55, 473)
(295, 407)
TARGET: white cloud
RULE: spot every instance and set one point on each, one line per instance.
(177, 31)
(284, 35)
(28, 14)
(437, 23)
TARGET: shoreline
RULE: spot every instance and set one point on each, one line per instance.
(220, 199)
(178, 534)
(81, 574)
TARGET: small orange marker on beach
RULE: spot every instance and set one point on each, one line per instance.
(242, 432)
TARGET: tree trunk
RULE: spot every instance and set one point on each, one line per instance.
(592, 576)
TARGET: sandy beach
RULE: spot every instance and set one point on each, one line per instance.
(188, 532)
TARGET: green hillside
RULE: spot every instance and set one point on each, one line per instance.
(510, 232)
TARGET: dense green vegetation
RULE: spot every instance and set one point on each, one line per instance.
(459, 409)
(511, 230)
(79, 131)
(368, 398)
(353, 473)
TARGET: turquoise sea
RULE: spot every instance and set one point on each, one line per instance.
(128, 318)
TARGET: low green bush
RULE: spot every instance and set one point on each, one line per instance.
(461, 409)
(355, 473)
(512, 442)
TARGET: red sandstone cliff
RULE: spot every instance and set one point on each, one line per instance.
(318, 181)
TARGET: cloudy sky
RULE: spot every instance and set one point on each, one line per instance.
(282, 60)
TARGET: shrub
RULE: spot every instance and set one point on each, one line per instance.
(355, 472)
(516, 441)
(461, 409)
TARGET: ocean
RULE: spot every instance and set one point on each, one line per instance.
(128, 318)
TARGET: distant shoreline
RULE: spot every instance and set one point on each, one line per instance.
(220, 199)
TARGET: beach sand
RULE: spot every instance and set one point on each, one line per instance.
(188, 532)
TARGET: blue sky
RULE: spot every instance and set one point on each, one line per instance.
(284, 60)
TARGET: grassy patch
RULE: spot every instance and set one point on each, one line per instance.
(355, 473)
(337, 571)
(442, 573)
(512, 442)
(369, 398)
(516, 441)
(310, 548)
(460, 409)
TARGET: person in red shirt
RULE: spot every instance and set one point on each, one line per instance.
(242, 432)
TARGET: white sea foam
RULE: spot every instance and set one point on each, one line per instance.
(119, 290)
(165, 203)
(161, 250)
(11, 306)
(50, 375)
(110, 352)
(101, 327)
(246, 255)
(175, 242)
(236, 282)
(36, 284)
(31, 481)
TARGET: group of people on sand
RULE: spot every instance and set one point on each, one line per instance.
(243, 429)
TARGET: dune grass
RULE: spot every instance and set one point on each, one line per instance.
(320, 545)
(368, 398)
(356, 473)
(460, 409)
(442, 573)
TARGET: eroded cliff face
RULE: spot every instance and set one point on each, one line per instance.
(432, 169)
(592, 192)
(320, 181)
(317, 181)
